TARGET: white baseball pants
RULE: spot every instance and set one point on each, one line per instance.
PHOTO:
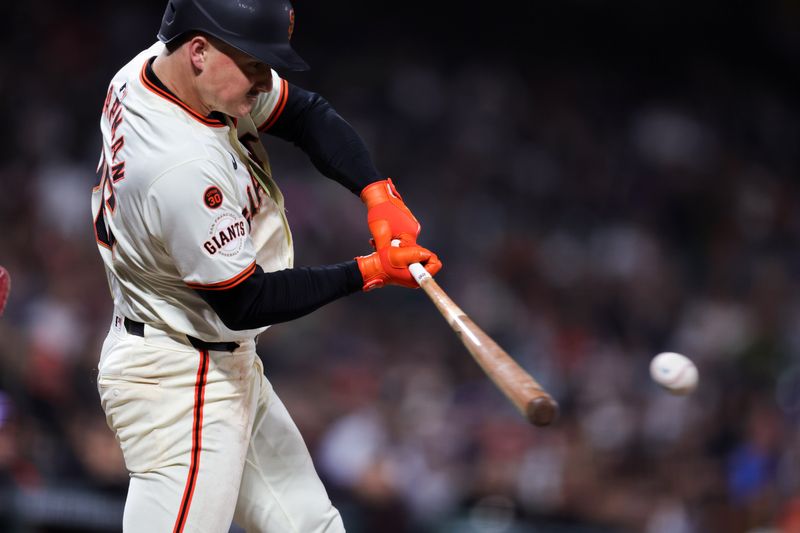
(206, 440)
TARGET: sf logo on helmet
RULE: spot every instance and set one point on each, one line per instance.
(291, 23)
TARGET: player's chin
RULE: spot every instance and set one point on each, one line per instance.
(243, 107)
(251, 99)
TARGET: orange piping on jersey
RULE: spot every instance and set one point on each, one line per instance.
(197, 443)
(192, 113)
(278, 108)
(228, 283)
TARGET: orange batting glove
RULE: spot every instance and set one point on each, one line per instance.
(387, 216)
(389, 265)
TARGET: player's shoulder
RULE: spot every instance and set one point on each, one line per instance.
(188, 162)
(180, 161)
(176, 163)
(160, 136)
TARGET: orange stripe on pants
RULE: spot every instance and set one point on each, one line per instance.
(197, 442)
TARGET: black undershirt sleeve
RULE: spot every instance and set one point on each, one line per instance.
(336, 150)
(266, 298)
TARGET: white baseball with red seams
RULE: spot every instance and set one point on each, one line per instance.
(675, 372)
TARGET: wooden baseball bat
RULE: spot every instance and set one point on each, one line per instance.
(524, 392)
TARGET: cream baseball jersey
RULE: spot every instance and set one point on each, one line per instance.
(184, 202)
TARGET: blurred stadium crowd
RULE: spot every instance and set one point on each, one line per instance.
(602, 184)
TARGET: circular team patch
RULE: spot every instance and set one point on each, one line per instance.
(226, 236)
(212, 197)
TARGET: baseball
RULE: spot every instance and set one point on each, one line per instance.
(674, 372)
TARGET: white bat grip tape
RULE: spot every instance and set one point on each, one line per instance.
(418, 271)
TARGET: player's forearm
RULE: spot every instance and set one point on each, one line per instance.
(333, 146)
(267, 298)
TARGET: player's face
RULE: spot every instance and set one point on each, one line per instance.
(232, 80)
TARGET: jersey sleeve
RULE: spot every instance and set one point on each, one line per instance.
(269, 105)
(195, 213)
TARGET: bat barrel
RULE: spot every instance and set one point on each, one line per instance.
(518, 385)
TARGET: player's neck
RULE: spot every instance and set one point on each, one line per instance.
(168, 69)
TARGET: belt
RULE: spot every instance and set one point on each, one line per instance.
(137, 328)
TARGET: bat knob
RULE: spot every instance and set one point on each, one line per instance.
(542, 411)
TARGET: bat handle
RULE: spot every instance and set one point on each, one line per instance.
(416, 269)
(419, 272)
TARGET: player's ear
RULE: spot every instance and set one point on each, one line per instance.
(198, 48)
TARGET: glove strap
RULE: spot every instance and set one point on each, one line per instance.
(378, 192)
(371, 271)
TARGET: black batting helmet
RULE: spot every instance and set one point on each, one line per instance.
(259, 28)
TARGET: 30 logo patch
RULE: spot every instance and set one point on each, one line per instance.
(212, 197)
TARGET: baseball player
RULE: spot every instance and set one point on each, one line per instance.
(191, 229)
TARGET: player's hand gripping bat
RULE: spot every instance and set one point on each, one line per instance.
(524, 392)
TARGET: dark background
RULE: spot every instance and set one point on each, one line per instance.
(602, 180)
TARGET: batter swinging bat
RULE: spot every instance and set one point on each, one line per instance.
(524, 392)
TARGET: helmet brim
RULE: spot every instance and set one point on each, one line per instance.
(278, 56)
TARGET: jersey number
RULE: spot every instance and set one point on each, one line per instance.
(108, 201)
